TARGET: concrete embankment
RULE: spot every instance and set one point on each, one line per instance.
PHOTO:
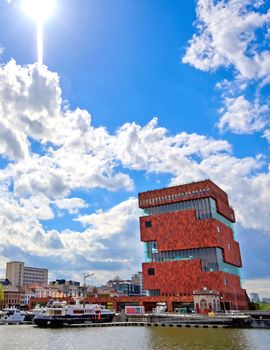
(145, 324)
(260, 323)
(174, 321)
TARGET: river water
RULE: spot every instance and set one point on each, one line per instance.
(28, 337)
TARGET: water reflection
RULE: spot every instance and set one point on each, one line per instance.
(198, 339)
(132, 338)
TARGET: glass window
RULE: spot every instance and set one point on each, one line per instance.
(153, 292)
(148, 223)
(151, 271)
(207, 208)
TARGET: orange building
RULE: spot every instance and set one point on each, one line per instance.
(189, 244)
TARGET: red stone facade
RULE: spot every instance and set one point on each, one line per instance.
(201, 189)
(181, 278)
(180, 230)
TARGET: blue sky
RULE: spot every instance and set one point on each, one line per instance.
(133, 95)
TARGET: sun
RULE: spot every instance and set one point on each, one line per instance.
(39, 10)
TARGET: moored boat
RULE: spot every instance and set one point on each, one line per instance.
(14, 316)
(60, 315)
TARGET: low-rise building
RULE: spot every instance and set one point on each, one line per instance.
(26, 294)
(69, 288)
(124, 287)
(12, 297)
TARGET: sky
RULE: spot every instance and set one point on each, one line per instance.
(131, 96)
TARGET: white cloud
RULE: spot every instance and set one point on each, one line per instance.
(226, 37)
(241, 116)
(13, 145)
(259, 285)
(74, 155)
(71, 204)
(38, 206)
(112, 222)
(151, 148)
(30, 100)
(267, 135)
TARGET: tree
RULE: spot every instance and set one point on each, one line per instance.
(1, 293)
(264, 306)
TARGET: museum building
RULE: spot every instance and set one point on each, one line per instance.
(188, 232)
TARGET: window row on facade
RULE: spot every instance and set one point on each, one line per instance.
(211, 258)
(205, 208)
(174, 196)
(156, 292)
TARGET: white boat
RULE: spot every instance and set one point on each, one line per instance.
(39, 310)
(12, 316)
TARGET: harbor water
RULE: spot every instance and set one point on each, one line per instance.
(28, 337)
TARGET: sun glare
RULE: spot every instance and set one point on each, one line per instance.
(39, 10)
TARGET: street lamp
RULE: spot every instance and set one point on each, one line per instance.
(235, 300)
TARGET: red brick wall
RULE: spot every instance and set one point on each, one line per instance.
(177, 278)
(180, 230)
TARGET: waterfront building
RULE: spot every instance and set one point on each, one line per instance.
(12, 297)
(19, 275)
(188, 232)
(124, 287)
(26, 294)
(254, 297)
(67, 287)
(137, 278)
(206, 301)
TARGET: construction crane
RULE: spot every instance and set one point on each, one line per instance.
(86, 275)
